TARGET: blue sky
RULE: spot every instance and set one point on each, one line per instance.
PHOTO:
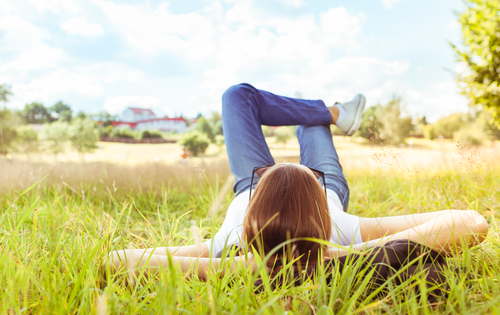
(179, 56)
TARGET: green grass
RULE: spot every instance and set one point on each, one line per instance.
(54, 238)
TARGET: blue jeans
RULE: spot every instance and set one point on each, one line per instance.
(245, 109)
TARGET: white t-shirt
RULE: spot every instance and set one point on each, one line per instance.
(345, 227)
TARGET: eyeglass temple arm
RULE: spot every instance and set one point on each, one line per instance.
(324, 183)
(251, 186)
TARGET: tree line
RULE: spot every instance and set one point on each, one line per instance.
(58, 127)
(37, 128)
(388, 123)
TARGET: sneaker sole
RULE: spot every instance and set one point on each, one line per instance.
(357, 119)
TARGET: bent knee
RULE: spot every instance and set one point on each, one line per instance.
(237, 92)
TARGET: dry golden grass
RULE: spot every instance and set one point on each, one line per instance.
(18, 175)
(142, 166)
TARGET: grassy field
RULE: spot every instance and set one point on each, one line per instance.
(55, 235)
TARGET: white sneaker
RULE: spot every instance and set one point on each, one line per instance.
(354, 110)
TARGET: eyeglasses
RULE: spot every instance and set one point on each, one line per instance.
(260, 170)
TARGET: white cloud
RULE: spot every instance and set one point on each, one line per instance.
(365, 71)
(340, 27)
(117, 104)
(79, 81)
(43, 57)
(6, 6)
(240, 44)
(80, 26)
(56, 6)
(190, 35)
(27, 41)
(241, 30)
(440, 99)
(294, 53)
(389, 3)
(52, 87)
(293, 3)
(19, 34)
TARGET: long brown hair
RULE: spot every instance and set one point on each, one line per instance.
(288, 203)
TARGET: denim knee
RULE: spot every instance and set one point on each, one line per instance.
(236, 93)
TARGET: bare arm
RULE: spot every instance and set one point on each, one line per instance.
(199, 250)
(441, 231)
(141, 263)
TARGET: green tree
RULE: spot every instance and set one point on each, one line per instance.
(105, 117)
(429, 132)
(63, 112)
(8, 133)
(445, 126)
(83, 135)
(472, 134)
(219, 141)
(370, 127)
(476, 129)
(81, 115)
(470, 129)
(150, 134)
(5, 92)
(66, 116)
(54, 137)
(106, 131)
(396, 128)
(485, 118)
(121, 132)
(481, 37)
(27, 140)
(203, 126)
(420, 124)
(267, 131)
(216, 122)
(195, 142)
(283, 134)
(36, 113)
(217, 128)
(386, 122)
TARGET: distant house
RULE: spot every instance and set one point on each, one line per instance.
(145, 119)
(133, 114)
(178, 124)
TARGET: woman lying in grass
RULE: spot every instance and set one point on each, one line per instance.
(276, 203)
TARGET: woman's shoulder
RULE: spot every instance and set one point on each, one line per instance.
(239, 203)
(334, 204)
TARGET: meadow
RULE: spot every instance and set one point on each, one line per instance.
(59, 220)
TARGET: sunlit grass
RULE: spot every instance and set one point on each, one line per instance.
(54, 239)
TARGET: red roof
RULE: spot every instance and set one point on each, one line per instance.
(164, 118)
(142, 110)
(134, 124)
(119, 123)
